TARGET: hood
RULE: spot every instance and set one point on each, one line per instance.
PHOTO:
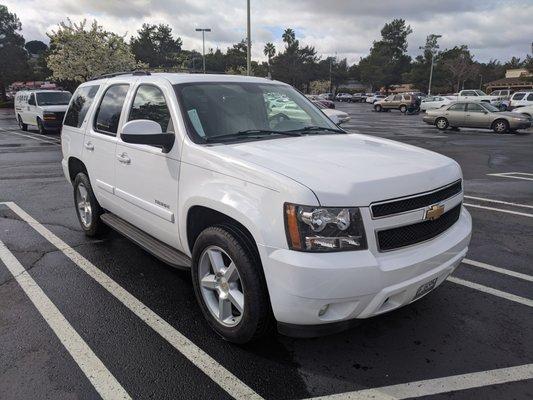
(350, 169)
(511, 114)
(59, 108)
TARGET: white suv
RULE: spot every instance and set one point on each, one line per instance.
(44, 109)
(280, 217)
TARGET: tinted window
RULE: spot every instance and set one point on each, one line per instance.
(457, 107)
(530, 97)
(53, 98)
(518, 96)
(149, 103)
(469, 93)
(406, 97)
(83, 98)
(108, 113)
(473, 107)
(31, 101)
(397, 98)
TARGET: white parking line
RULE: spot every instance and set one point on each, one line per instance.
(512, 175)
(209, 366)
(498, 201)
(97, 373)
(447, 384)
(498, 269)
(51, 141)
(492, 291)
(499, 210)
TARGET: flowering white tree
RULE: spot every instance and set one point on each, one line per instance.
(79, 52)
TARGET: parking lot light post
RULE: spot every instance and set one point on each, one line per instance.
(432, 60)
(248, 40)
(203, 30)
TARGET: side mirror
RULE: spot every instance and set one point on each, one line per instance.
(144, 131)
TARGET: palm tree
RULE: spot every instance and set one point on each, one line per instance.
(289, 36)
(269, 51)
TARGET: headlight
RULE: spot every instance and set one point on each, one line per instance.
(320, 229)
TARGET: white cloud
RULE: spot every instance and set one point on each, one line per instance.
(492, 29)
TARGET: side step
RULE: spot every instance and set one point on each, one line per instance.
(157, 248)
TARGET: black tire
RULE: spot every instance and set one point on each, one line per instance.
(441, 123)
(378, 108)
(94, 226)
(41, 128)
(256, 320)
(403, 109)
(22, 125)
(500, 126)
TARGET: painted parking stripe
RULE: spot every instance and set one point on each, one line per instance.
(435, 386)
(209, 366)
(498, 269)
(507, 203)
(492, 291)
(499, 210)
(513, 175)
(51, 141)
(97, 373)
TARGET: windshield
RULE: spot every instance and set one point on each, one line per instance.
(480, 93)
(222, 109)
(53, 98)
(490, 107)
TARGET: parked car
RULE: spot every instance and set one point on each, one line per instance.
(395, 102)
(327, 96)
(279, 219)
(44, 109)
(472, 114)
(475, 95)
(433, 102)
(520, 99)
(358, 97)
(337, 116)
(345, 97)
(526, 111)
(375, 97)
(326, 103)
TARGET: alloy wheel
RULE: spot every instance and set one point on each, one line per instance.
(84, 205)
(221, 286)
(500, 127)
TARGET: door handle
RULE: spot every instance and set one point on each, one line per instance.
(89, 146)
(123, 158)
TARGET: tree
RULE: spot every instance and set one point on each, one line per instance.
(421, 67)
(36, 47)
(78, 52)
(460, 66)
(156, 46)
(387, 61)
(13, 57)
(269, 51)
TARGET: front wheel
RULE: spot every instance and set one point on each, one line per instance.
(403, 109)
(441, 123)
(22, 125)
(500, 126)
(41, 128)
(378, 108)
(87, 208)
(229, 285)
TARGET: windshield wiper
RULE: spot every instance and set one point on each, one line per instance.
(249, 132)
(313, 128)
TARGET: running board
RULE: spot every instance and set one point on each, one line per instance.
(157, 248)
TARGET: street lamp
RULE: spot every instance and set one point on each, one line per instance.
(203, 30)
(248, 40)
(432, 62)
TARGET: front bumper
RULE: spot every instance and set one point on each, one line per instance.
(429, 120)
(520, 124)
(52, 124)
(358, 284)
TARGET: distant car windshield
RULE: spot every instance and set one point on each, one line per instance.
(480, 93)
(490, 107)
(233, 110)
(53, 98)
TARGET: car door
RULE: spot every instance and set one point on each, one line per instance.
(100, 142)
(30, 111)
(476, 116)
(146, 177)
(455, 114)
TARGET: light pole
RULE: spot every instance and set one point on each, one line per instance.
(432, 61)
(248, 40)
(203, 30)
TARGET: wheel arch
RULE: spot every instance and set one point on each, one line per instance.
(75, 166)
(498, 120)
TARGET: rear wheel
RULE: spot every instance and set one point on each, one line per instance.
(403, 109)
(87, 208)
(22, 125)
(229, 285)
(500, 126)
(441, 123)
(378, 108)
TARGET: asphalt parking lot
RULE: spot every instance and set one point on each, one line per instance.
(137, 320)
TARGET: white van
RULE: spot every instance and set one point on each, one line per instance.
(44, 109)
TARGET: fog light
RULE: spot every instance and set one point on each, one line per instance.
(323, 310)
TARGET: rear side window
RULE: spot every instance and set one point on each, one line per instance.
(473, 107)
(530, 97)
(149, 103)
(108, 113)
(457, 107)
(518, 96)
(81, 102)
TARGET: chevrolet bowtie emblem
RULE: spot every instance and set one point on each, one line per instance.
(434, 212)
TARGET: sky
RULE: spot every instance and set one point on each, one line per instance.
(492, 29)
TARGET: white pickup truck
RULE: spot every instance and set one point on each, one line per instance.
(476, 95)
(281, 218)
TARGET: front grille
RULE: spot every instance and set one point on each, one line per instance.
(414, 203)
(407, 235)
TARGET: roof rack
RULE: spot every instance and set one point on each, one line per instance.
(112, 75)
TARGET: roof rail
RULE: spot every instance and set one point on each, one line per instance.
(112, 75)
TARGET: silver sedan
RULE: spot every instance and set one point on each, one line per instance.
(472, 114)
